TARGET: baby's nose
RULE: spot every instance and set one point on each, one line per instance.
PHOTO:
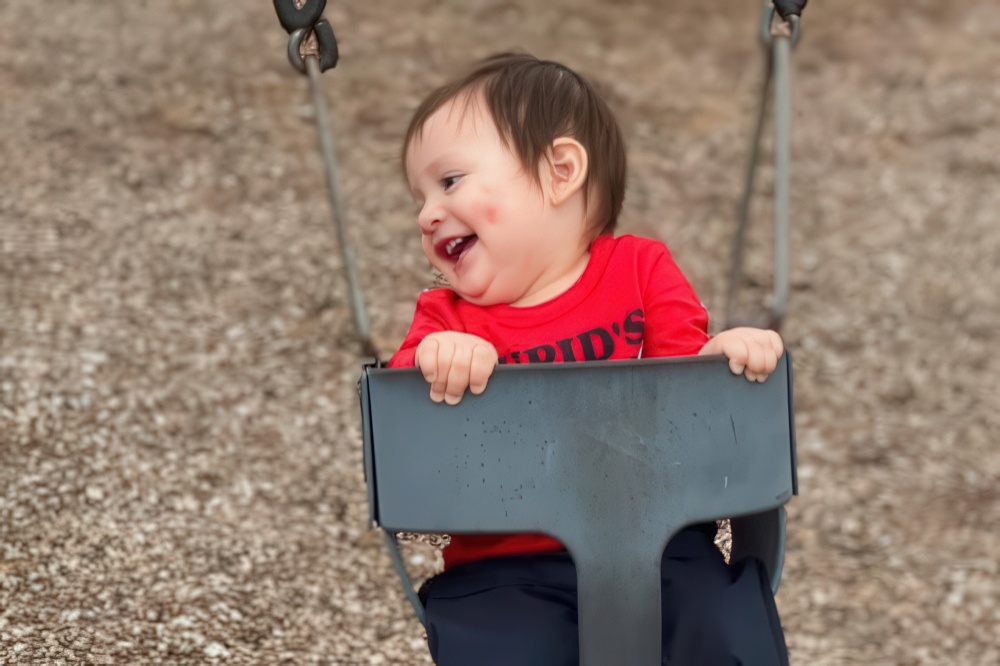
(429, 217)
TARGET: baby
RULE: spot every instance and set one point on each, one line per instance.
(519, 172)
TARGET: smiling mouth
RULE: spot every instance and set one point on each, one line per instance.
(452, 249)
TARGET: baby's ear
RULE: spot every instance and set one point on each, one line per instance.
(566, 163)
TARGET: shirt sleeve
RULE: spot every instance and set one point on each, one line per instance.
(676, 322)
(432, 314)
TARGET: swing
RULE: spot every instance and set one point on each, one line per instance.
(661, 444)
(612, 459)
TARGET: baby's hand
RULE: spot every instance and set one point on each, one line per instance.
(752, 352)
(452, 362)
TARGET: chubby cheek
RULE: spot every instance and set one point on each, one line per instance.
(443, 266)
(488, 213)
(427, 243)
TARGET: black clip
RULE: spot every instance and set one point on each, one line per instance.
(788, 8)
(328, 52)
(299, 22)
(294, 18)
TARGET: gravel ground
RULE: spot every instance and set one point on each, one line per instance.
(181, 478)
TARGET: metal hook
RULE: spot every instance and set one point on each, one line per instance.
(328, 52)
(294, 42)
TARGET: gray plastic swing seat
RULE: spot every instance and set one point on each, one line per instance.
(611, 458)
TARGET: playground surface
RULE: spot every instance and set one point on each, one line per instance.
(180, 465)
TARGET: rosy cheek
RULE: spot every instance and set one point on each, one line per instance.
(489, 214)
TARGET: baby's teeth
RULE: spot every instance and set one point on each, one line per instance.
(452, 245)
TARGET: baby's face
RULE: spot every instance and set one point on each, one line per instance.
(485, 222)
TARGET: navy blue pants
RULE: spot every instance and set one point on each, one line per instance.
(521, 611)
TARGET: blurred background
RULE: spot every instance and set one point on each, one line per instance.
(180, 466)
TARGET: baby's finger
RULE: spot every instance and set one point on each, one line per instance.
(738, 354)
(777, 344)
(439, 385)
(484, 360)
(426, 359)
(765, 360)
(756, 362)
(772, 348)
(770, 360)
(458, 375)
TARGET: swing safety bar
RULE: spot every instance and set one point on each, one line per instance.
(611, 458)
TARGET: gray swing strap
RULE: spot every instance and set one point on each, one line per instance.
(312, 49)
(611, 458)
(778, 37)
(392, 545)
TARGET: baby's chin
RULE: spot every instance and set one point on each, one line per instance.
(483, 297)
(482, 301)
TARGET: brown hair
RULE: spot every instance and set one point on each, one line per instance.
(534, 102)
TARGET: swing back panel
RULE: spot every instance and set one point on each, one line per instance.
(611, 458)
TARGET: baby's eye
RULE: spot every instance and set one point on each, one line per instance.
(449, 182)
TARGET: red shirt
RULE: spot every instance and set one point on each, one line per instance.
(631, 298)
